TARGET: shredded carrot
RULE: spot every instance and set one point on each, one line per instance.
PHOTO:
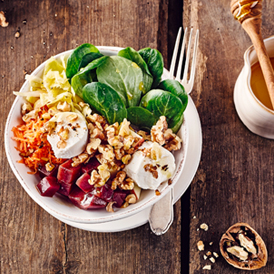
(32, 143)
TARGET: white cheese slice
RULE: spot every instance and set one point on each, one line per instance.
(77, 134)
(163, 163)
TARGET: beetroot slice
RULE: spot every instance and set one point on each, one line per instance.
(83, 183)
(65, 188)
(85, 200)
(104, 192)
(68, 174)
(119, 197)
(91, 165)
(43, 171)
(48, 186)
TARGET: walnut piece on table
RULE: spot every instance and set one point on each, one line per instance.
(3, 20)
(243, 248)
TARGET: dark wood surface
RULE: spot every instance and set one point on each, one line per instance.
(234, 181)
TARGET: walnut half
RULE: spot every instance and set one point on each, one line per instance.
(242, 247)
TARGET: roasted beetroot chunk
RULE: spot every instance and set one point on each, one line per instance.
(65, 188)
(82, 182)
(85, 200)
(48, 186)
(68, 174)
(104, 192)
(43, 172)
(119, 197)
(91, 165)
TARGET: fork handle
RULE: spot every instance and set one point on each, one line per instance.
(161, 215)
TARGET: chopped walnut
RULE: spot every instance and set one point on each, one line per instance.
(93, 145)
(204, 226)
(72, 117)
(26, 107)
(128, 142)
(99, 179)
(145, 136)
(109, 206)
(127, 184)
(112, 136)
(107, 152)
(119, 153)
(63, 106)
(124, 128)
(49, 166)
(152, 169)
(131, 199)
(49, 126)
(79, 159)
(174, 144)
(3, 21)
(17, 34)
(61, 144)
(97, 133)
(96, 118)
(161, 134)
(126, 159)
(212, 259)
(63, 133)
(86, 110)
(200, 246)
(120, 177)
(157, 131)
(125, 204)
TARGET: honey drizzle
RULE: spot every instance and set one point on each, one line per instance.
(245, 8)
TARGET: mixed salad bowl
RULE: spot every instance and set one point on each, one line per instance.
(98, 134)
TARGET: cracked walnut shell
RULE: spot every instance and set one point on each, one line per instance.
(243, 247)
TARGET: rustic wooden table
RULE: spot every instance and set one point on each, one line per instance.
(234, 181)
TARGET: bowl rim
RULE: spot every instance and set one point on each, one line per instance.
(118, 214)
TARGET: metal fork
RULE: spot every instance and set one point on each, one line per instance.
(161, 214)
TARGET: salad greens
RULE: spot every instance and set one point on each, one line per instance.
(103, 99)
(131, 54)
(124, 76)
(74, 60)
(155, 63)
(127, 86)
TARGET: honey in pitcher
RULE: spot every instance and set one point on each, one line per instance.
(258, 84)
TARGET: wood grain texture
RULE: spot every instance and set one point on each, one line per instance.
(234, 182)
(31, 240)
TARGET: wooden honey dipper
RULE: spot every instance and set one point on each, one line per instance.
(249, 14)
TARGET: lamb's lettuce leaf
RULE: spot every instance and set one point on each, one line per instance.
(105, 101)
(124, 76)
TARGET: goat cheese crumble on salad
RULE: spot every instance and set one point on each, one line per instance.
(99, 129)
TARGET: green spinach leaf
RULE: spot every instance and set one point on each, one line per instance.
(175, 88)
(86, 75)
(131, 54)
(155, 63)
(124, 76)
(105, 101)
(88, 58)
(164, 103)
(75, 58)
(141, 117)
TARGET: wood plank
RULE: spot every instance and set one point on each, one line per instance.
(234, 180)
(31, 240)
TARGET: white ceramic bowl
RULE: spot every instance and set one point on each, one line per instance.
(257, 117)
(60, 207)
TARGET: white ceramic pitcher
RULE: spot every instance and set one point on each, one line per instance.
(257, 117)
